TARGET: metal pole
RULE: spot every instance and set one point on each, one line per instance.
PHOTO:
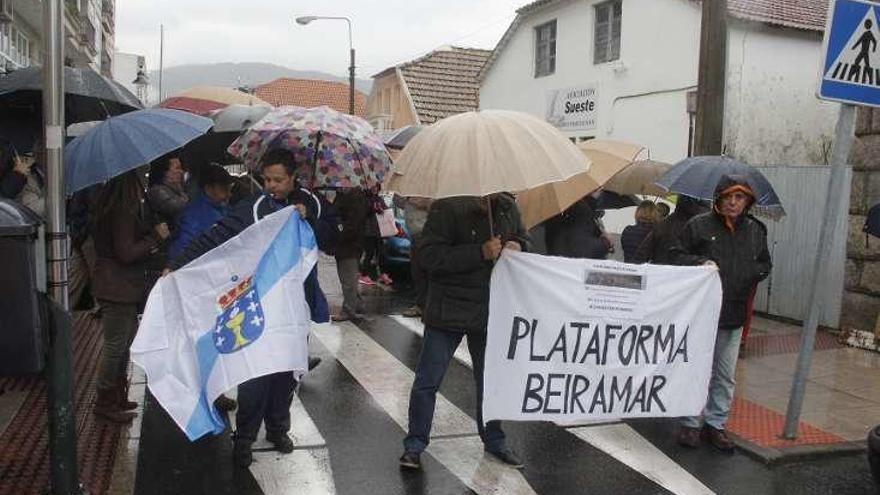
(351, 84)
(833, 208)
(709, 133)
(59, 371)
(161, 57)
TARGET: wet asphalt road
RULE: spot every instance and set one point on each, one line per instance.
(358, 433)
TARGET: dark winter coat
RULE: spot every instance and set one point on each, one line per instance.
(351, 206)
(575, 233)
(656, 247)
(124, 241)
(243, 215)
(741, 255)
(451, 254)
(632, 237)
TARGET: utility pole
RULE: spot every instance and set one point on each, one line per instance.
(59, 369)
(709, 131)
(161, 59)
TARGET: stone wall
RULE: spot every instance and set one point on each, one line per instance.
(861, 296)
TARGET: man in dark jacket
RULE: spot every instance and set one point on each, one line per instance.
(266, 398)
(351, 206)
(729, 239)
(575, 233)
(457, 252)
(656, 247)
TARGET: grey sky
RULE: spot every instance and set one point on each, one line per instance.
(385, 32)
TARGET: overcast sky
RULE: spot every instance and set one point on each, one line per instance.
(385, 32)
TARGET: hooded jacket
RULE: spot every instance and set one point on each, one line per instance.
(739, 249)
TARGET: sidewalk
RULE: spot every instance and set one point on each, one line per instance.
(842, 399)
(24, 432)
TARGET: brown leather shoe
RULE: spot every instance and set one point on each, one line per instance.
(720, 440)
(689, 437)
(122, 398)
(107, 407)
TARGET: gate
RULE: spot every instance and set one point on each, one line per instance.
(793, 242)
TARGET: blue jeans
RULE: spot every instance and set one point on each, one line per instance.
(265, 398)
(722, 383)
(438, 347)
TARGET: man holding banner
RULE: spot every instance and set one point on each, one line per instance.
(460, 243)
(737, 244)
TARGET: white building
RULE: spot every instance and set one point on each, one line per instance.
(89, 27)
(627, 69)
(126, 67)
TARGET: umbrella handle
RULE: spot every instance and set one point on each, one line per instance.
(491, 223)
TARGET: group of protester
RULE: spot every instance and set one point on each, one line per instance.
(182, 214)
(460, 243)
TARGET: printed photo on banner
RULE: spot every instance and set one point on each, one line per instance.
(574, 339)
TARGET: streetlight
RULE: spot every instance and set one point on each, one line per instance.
(303, 20)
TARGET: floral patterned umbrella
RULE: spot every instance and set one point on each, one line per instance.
(333, 148)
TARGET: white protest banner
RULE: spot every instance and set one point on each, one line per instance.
(574, 339)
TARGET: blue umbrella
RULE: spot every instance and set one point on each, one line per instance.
(128, 141)
(697, 177)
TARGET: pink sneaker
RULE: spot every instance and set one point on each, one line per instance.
(365, 280)
(385, 279)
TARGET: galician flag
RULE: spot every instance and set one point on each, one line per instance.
(235, 313)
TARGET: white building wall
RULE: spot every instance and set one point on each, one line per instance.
(125, 68)
(772, 115)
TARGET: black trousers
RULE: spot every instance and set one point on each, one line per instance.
(268, 399)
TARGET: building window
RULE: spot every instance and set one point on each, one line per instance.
(607, 32)
(545, 49)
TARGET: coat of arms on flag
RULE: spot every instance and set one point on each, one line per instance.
(241, 320)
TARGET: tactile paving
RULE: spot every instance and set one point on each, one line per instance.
(24, 446)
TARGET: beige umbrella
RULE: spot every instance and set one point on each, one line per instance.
(480, 153)
(608, 158)
(639, 178)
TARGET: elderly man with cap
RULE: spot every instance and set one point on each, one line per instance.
(736, 243)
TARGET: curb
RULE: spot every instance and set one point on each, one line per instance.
(772, 456)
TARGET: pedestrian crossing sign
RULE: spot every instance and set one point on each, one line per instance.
(851, 65)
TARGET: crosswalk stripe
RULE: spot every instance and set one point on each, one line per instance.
(617, 440)
(304, 471)
(461, 354)
(629, 447)
(388, 381)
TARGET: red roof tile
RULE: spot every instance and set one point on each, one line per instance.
(444, 82)
(799, 14)
(310, 93)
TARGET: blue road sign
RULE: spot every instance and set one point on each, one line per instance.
(851, 65)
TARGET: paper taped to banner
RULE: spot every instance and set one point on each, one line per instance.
(572, 339)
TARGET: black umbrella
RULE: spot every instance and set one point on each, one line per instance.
(607, 200)
(398, 138)
(872, 223)
(88, 94)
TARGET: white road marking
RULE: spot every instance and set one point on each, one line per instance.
(304, 471)
(629, 447)
(388, 381)
(414, 325)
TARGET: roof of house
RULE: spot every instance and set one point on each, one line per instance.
(311, 93)
(443, 82)
(807, 15)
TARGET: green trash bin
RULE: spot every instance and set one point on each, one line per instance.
(22, 276)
